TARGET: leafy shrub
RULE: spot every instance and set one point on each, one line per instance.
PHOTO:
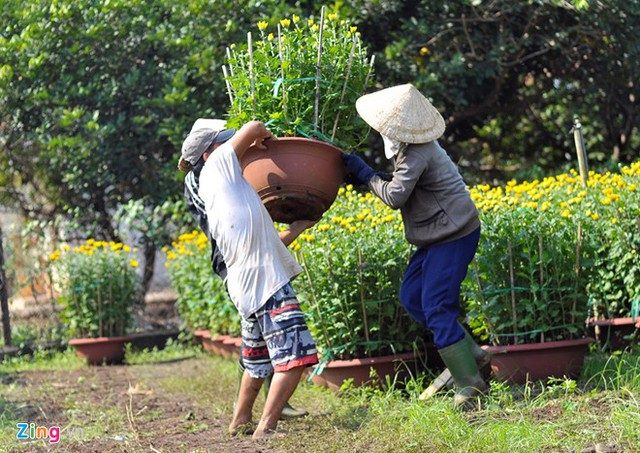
(353, 261)
(98, 286)
(546, 251)
(276, 79)
(203, 302)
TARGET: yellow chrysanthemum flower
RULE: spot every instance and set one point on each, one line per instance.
(262, 25)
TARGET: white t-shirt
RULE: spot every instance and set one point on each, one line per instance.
(258, 262)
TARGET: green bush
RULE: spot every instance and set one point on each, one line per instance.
(550, 252)
(353, 261)
(275, 77)
(98, 286)
(203, 302)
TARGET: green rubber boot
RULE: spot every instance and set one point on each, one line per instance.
(462, 364)
(444, 379)
(289, 411)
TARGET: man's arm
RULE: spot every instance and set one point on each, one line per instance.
(252, 133)
(295, 229)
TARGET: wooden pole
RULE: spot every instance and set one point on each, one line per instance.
(344, 86)
(252, 76)
(226, 80)
(514, 311)
(581, 150)
(575, 296)
(4, 299)
(362, 304)
(366, 80)
(319, 71)
(284, 87)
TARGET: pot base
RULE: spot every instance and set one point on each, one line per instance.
(98, 351)
(519, 364)
(289, 203)
(296, 178)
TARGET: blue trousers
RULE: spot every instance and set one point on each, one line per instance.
(430, 290)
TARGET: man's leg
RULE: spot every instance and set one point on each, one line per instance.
(249, 389)
(291, 349)
(282, 387)
(253, 367)
(288, 412)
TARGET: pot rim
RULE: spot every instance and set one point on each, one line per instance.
(338, 363)
(83, 341)
(615, 322)
(301, 139)
(539, 346)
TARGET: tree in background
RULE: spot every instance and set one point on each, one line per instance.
(510, 74)
(97, 97)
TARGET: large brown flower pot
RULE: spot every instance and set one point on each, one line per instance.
(296, 178)
(397, 366)
(538, 361)
(199, 335)
(231, 347)
(98, 351)
(613, 334)
(211, 344)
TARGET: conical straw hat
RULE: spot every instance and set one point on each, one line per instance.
(401, 113)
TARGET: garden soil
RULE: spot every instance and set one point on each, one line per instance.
(157, 421)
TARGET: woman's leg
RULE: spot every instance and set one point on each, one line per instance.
(444, 267)
(411, 288)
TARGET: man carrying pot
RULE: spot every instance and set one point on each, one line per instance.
(205, 137)
(439, 218)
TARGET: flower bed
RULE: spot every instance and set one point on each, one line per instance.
(203, 302)
(354, 259)
(98, 287)
(543, 265)
(551, 251)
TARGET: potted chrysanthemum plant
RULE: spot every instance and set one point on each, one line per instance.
(98, 286)
(302, 78)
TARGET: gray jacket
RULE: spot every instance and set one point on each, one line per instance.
(428, 189)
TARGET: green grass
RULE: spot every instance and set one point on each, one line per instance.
(601, 409)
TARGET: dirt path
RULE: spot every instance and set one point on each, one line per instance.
(122, 408)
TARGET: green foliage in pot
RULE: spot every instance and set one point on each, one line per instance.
(203, 302)
(98, 286)
(615, 289)
(302, 77)
(353, 262)
(542, 251)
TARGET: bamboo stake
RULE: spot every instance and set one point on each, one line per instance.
(541, 251)
(542, 292)
(284, 88)
(319, 71)
(366, 79)
(229, 59)
(252, 76)
(100, 326)
(315, 301)
(344, 86)
(575, 296)
(362, 304)
(496, 340)
(512, 279)
(226, 79)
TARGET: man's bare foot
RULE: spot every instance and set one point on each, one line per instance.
(242, 429)
(268, 433)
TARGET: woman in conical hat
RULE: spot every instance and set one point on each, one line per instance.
(439, 218)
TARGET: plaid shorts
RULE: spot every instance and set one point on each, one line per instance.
(276, 337)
